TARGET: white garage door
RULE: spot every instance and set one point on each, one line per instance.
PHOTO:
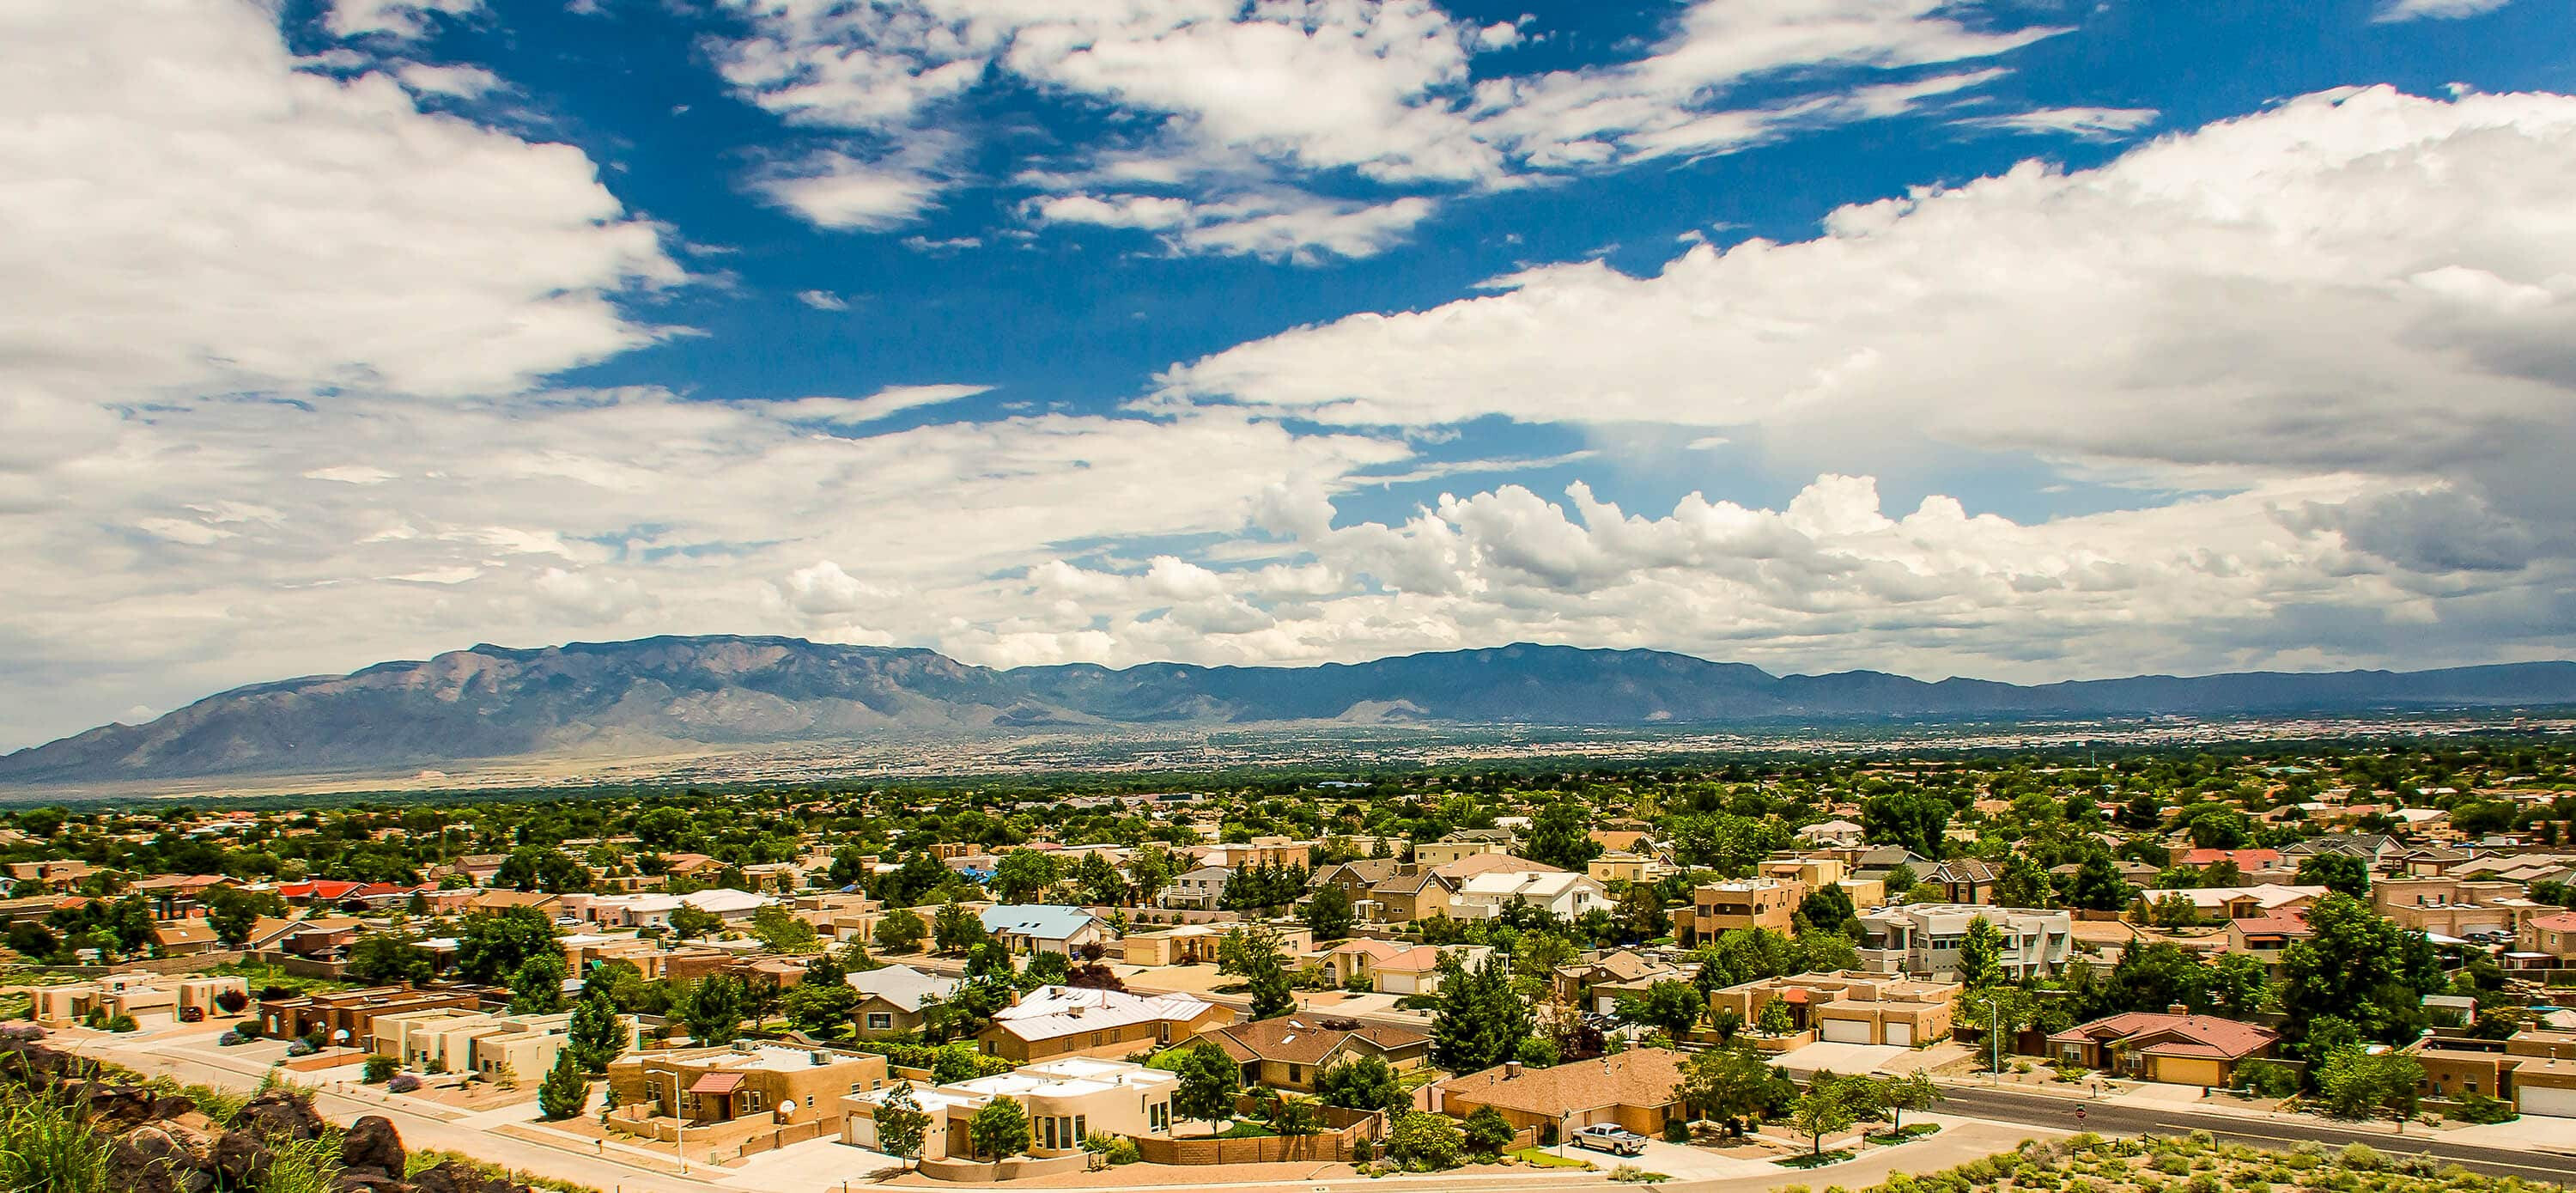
(2552, 1103)
(1846, 1031)
(1901, 1034)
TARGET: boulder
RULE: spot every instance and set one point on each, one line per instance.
(448, 1176)
(372, 1147)
(154, 1159)
(241, 1156)
(280, 1114)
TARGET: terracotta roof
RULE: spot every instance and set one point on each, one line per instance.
(1488, 863)
(2564, 921)
(1307, 1040)
(716, 1083)
(1638, 1077)
(2226, 1037)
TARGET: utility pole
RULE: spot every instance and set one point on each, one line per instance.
(1994, 1035)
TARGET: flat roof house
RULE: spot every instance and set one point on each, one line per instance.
(718, 1085)
(1851, 1008)
(1064, 1099)
(1922, 939)
(1719, 907)
(1053, 1021)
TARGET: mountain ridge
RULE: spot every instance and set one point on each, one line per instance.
(489, 702)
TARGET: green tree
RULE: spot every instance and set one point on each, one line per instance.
(385, 959)
(1734, 1086)
(2358, 967)
(689, 922)
(537, 868)
(781, 931)
(536, 987)
(1100, 880)
(2240, 983)
(1480, 1021)
(1328, 913)
(1914, 819)
(1981, 951)
(1286, 1115)
(1258, 961)
(492, 945)
(899, 932)
(1825, 1109)
(2023, 883)
(1000, 1129)
(1361, 1083)
(957, 929)
(233, 913)
(1775, 1019)
(1023, 874)
(901, 1125)
(820, 1008)
(1914, 1091)
(714, 1009)
(2341, 873)
(1829, 909)
(1672, 1007)
(1561, 836)
(2154, 975)
(2215, 826)
(2354, 1083)
(565, 1091)
(1208, 1080)
(596, 1034)
(2097, 886)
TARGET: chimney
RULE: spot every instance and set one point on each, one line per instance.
(1511, 1069)
(2177, 1009)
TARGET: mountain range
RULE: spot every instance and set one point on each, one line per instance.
(493, 702)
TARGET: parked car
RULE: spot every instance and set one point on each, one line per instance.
(1611, 1138)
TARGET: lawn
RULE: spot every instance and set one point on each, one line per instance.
(1243, 1131)
(1547, 1159)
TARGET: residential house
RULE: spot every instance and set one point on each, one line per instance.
(1634, 868)
(2268, 936)
(1818, 871)
(1719, 907)
(705, 1086)
(346, 1017)
(1286, 1053)
(2238, 902)
(892, 1000)
(34, 878)
(2545, 942)
(1632, 1089)
(2455, 907)
(1922, 939)
(1850, 1008)
(1047, 928)
(2534, 1070)
(1355, 880)
(186, 999)
(1464, 843)
(175, 895)
(1832, 834)
(1202, 889)
(1961, 880)
(1065, 1100)
(1053, 1021)
(2174, 1049)
(1559, 893)
(1596, 984)
(1392, 968)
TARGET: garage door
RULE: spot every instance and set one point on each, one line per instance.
(2543, 1100)
(1846, 1031)
(1901, 1034)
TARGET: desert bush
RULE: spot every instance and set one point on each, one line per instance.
(402, 1083)
(2359, 1155)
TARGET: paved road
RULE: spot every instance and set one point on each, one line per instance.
(2112, 1118)
(425, 1131)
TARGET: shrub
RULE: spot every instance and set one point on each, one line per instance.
(1631, 1174)
(121, 1022)
(231, 1002)
(1424, 1142)
(403, 1083)
(2479, 1108)
(1116, 1149)
(1486, 1132)
(1676, 1131)
(378, 1068)
(2359, 1155)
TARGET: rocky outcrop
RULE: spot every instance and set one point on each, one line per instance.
(164, 1143)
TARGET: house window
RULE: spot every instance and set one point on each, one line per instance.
(1081, 1128)
(1296, 1073)
(880, 1020)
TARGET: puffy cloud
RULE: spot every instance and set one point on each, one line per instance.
(207, 216)
(1243, 106)
(2362, 281)
(459, 82)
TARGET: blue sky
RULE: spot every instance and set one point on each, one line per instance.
(2023, 340)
